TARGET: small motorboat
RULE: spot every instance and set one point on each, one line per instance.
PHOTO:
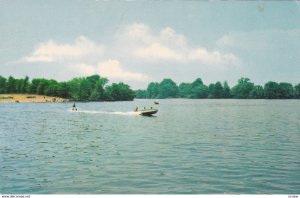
(146, 112)
(155, 102)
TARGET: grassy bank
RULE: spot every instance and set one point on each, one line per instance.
(29, 98)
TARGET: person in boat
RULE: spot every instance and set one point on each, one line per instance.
(136, 109)
(74, 107)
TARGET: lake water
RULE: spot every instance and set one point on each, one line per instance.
(190, 146)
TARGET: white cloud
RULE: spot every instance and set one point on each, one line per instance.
(136, 45)
(157, 51)
(76, 57)
(136, 32)
(142, 42)
(83, 69)
(51, 51)
(137, 40)
(170, 37)
(113, 69)
(213, 58)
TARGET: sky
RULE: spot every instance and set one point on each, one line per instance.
(138, 42)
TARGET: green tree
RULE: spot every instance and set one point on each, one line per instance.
(95, 96)
(197, 82)
(96, 93)
(84, 89)
(24, 85)
(271, 90)
(185, 90)
(219, 90)
(119, 92)
(80, 89)
(18, 85)
(168, 89)
(73, 86)
(43, 86)
(11, 85)
(243, 88)
(93, 79)
(153, 90)
(94, 88)
(63, 90)
(100, 85)
(141, 94)
(34, 85)
(286, 90)
(227, 91)
(211, 90)
(51, 88)
(198, 89)
(257, 92)
(97, 83)
(216, 90)
(297, 91)
(2, 85)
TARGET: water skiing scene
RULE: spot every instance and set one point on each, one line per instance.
(149, 97)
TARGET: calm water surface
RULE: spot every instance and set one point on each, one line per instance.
(190, 146)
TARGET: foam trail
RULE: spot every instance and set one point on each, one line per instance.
(126, 113)
(107, 112)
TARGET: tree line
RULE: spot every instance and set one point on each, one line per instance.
(91, 88)
(244, 89)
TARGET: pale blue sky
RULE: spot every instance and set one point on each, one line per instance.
(142, 41)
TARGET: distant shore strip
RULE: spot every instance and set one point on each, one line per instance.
(17, 98)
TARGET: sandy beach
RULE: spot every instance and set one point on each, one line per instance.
(29, 98)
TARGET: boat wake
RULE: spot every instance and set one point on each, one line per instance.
(107, 112)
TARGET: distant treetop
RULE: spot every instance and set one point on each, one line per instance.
(90, 88)
(244, 89)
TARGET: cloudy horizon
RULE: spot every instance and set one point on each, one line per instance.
(138, 43)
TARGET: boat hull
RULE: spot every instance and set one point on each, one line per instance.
(148, 112)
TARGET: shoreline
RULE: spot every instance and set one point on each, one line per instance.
(20, 98)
